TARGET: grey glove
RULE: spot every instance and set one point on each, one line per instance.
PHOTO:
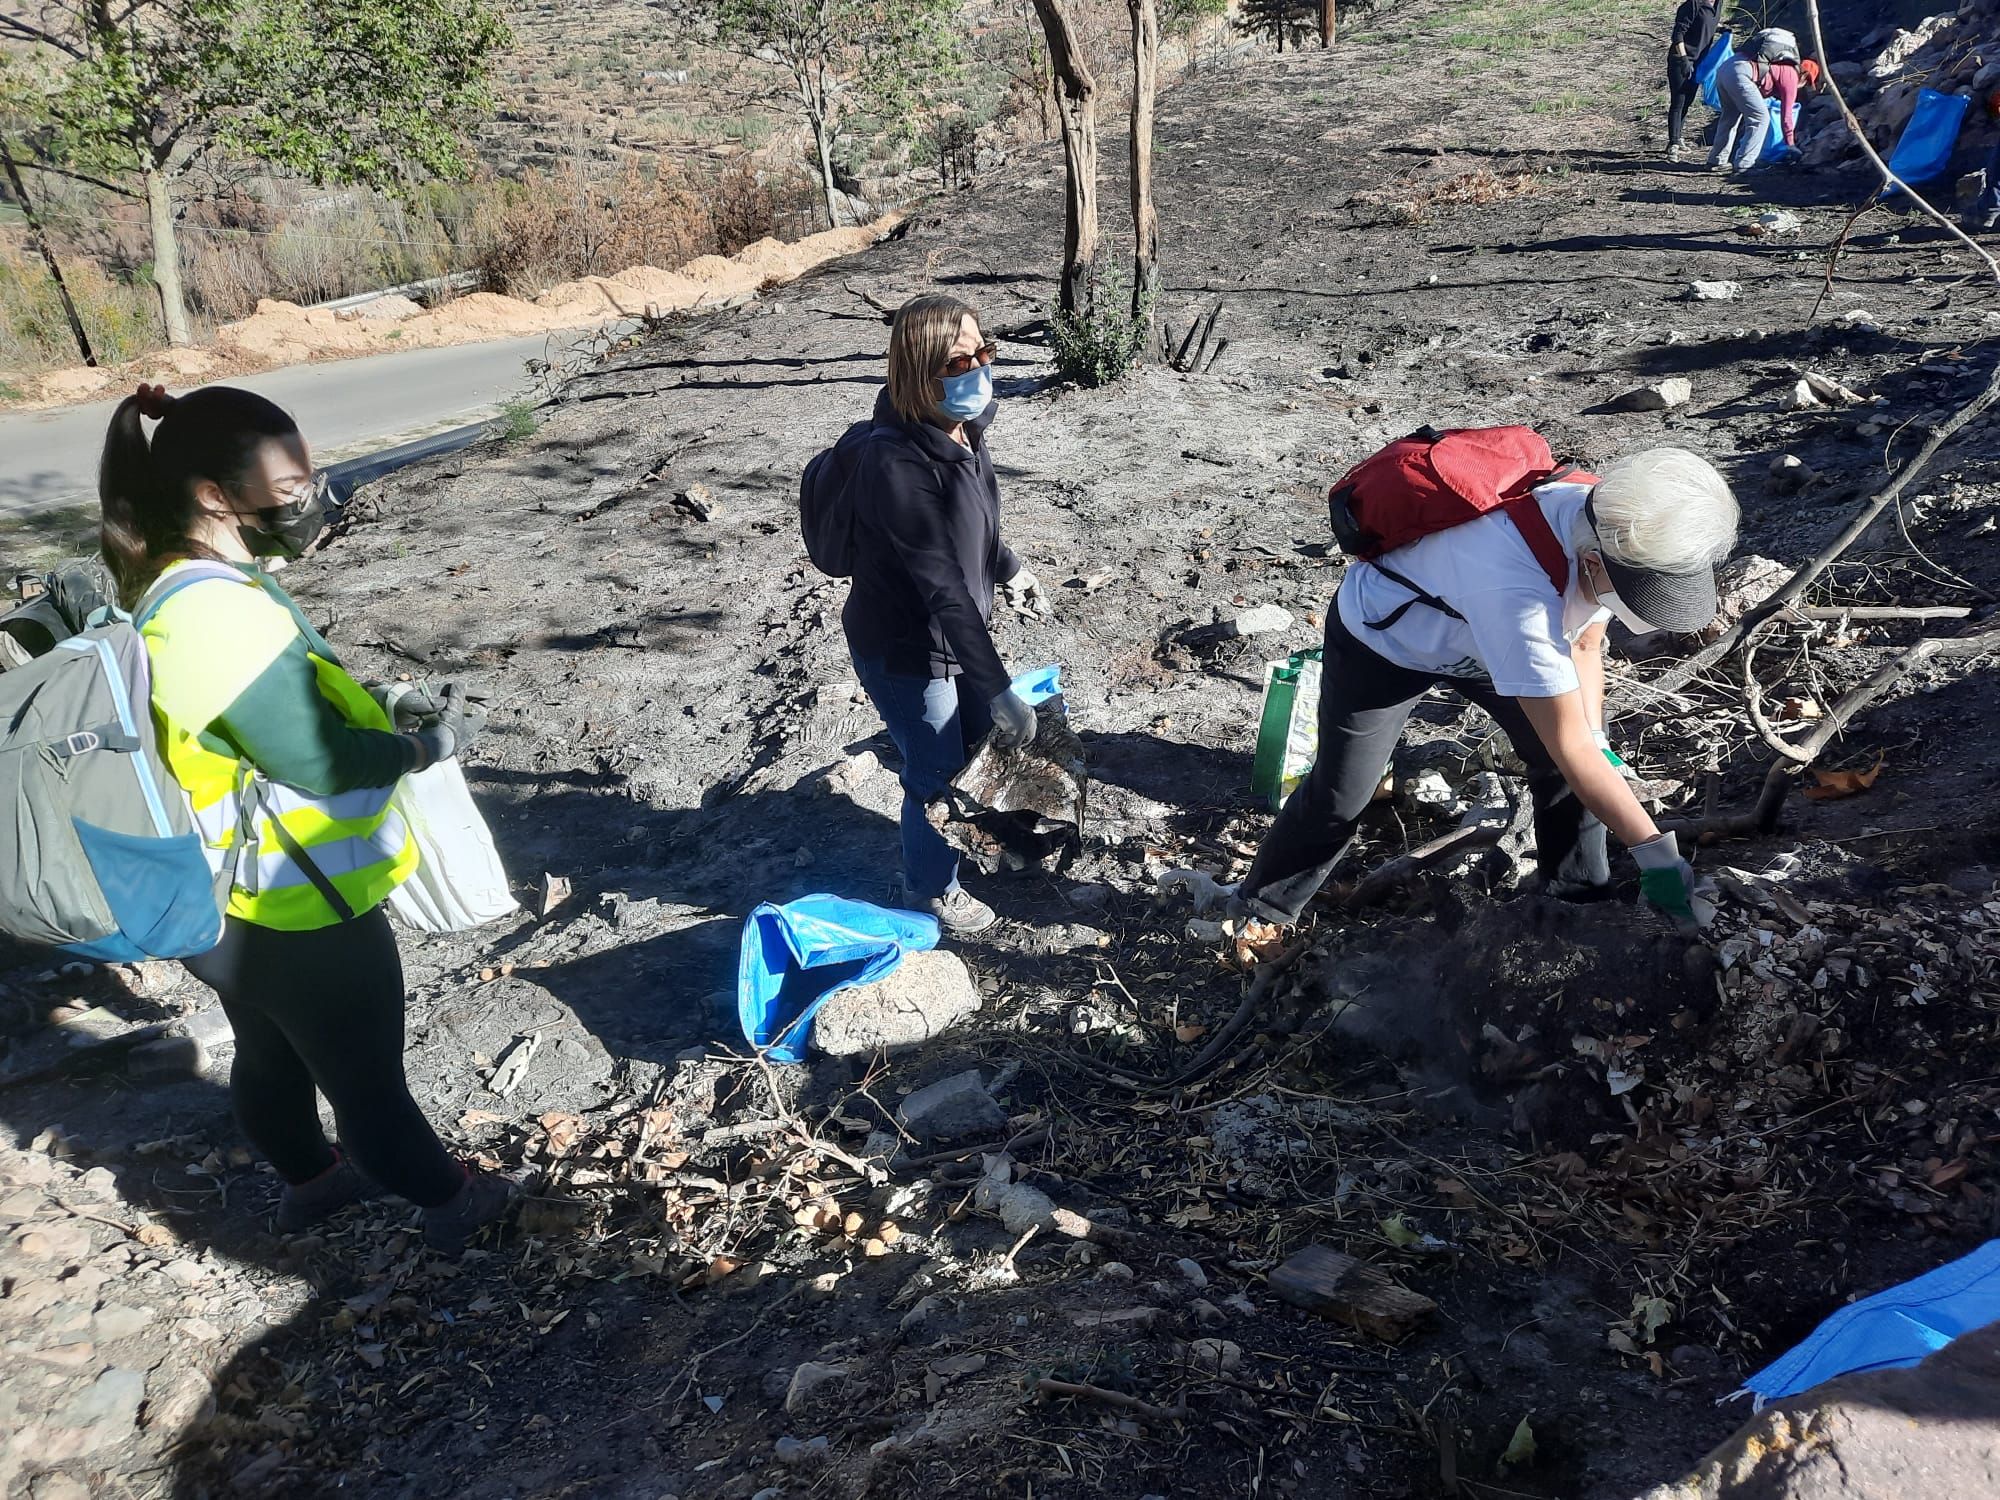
(1014, 721)
(456, 724)
(1025, 592)
(408, 704)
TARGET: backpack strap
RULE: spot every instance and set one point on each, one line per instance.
(250, 803)
(1526, 514)
(200, 570)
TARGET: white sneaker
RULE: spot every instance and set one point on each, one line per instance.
(1673, 154)
(962, 913)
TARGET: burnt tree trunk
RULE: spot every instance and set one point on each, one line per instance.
(1076, 100)
(41, 239)
(1145, 218)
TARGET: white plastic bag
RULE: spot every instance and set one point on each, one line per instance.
(458, 884)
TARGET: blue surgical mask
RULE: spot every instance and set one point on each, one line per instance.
(967, 395)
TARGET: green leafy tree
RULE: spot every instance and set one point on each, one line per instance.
(132, 96)
(888, 60)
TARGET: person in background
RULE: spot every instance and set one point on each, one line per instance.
(1694, 30)
(1745, 120)
(928, 556)
(1470, 608)
(253, 707)
(1784, 83)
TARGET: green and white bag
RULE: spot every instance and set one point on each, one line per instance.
(1288, 727)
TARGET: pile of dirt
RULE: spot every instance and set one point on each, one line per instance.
(283, 333)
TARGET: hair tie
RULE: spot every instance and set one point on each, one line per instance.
(153, 401)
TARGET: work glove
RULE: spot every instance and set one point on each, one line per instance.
(1014, 721)
(455, 725)
(1025, 592)
(1666, 883)
(408, 704)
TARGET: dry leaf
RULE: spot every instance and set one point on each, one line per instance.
(1834, 784)
(562, 1130)
(852, 1224)
(873, 1248)
(155, 1236)
(1192, 1031)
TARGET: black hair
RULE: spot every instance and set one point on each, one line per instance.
(146, 488)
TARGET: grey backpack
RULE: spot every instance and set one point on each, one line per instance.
(1774, 44)
(101, 857)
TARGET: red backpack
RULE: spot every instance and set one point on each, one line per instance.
(1432, 481)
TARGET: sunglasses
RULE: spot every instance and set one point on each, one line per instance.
(961, 364)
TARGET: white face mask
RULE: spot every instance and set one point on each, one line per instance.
(1607, 598)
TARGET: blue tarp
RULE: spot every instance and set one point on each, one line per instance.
(1924, 150)
(1891, 1329)
(1708, 71)
(794, 956)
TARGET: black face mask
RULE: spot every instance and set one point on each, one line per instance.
(287, 530)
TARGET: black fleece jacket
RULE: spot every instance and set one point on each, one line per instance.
(1694, 27)
(927, 552)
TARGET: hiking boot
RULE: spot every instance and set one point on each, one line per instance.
(961, 913)
(484, 1200)
(304, 1204)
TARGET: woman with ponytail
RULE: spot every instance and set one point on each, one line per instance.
(289, 765)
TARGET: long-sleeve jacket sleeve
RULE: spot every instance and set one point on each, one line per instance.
(912, 517)
(285, 727)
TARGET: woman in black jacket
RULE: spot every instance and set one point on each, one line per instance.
(927, 557)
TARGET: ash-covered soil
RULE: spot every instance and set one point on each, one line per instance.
(1627, 1169)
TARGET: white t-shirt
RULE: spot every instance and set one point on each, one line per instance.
(1516, 632)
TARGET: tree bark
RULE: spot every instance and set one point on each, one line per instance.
(1329, 21)
(1145, 218)
(828, 187)
(1077, 110)
(48, 255)
(166, 256)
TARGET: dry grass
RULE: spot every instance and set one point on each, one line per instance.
(1412, 202)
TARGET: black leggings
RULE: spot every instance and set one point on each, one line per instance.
(1364, 701)
(1682, 91)
(324, 1010)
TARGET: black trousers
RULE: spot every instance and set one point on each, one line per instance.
(1364, 702)
(1682, 91)
(322, 1011)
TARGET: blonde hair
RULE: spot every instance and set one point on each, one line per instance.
(920, 341)
(1665, 510)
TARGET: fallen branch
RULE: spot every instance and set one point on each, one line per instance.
(1864, 517)
(1138, 1408)
(1883, 612)
(1833, 260)
(1889, 178)
(1763, 817)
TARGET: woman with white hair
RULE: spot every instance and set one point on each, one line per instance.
(1475, 608)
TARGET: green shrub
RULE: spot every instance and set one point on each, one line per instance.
(1099, 343)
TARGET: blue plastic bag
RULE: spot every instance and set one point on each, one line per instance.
(1708, 71)
(1891, 1329)
(1774, 132)
(1923, 152)
(794, 956)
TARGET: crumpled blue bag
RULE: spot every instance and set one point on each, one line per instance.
(1038, 686)
(794, 956)
(1924, 149)
(1708, 71)
(1891, 1329)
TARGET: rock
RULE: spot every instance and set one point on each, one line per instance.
(1791, 474)
(1802, 397)
(1662, 395)
(1114, 1270)
(1191, 1271)
(169, 1059)
(115, 1321)
(65, 1356)
(1777, 221)
(66, 1241)
(794, 1454)
(98, 1182)
(1859, 317)
(188, 1402)
(1743, 583)
(810, 1381)
(1216, 1356)
(952, 1109)
(107, 1409)
(58, 1487)
(915, 1002)
(1207, 1313)
(555, 891)
(1262, 619)
(1915, 1434)
(1019, 1207)
(1969, 189)
(1714, 291)
(1090, 897)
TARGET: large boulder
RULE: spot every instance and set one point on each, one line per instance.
(1925, 1433)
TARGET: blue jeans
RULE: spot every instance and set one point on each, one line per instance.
(933, 733)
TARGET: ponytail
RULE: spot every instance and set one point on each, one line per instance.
(146, 488)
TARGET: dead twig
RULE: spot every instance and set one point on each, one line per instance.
(1833, 259)
(1138, 1408)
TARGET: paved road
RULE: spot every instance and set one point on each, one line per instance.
(48, 459)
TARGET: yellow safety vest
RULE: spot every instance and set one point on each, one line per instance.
(207, 644)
